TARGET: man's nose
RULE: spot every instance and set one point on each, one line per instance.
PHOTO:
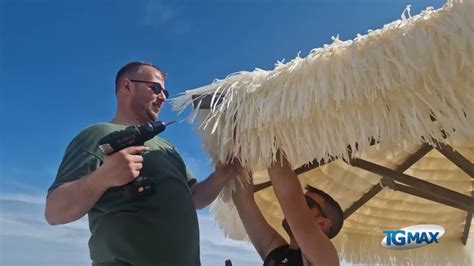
(162, 96)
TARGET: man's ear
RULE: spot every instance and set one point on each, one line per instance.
(325, 224)
(125, 86)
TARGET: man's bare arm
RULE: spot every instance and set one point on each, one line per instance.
(263, 236)
(74, 199)
(206, 191)
(314, 244)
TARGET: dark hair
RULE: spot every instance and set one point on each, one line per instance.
(334, 211)
(132, 68)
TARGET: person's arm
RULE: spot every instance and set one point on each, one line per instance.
(263, 237)
(206, 191)
(72, 200)
(314, 244)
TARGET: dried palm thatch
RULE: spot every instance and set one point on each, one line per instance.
(378, 98)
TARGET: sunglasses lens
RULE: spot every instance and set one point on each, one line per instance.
(158, 89)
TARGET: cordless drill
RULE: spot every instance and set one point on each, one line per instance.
(133, 136)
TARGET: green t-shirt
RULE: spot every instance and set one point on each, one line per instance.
(160, 229)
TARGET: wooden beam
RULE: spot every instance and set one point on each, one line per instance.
(206, 101)
(467, 227)
(415, 182)
(415, 157)
(464, 164)
(300, 170)
(412, 159)
(388, 182)
(424, 149)
(258, 187)
(457, 158)
(468, 167)
(312, 165)
(359, 203)
(315, 163)
(308, 167)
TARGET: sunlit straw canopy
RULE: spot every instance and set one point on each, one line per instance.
(384, 123)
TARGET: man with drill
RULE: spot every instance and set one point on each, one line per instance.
(154, 222)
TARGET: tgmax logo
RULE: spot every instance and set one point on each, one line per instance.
(413, 236)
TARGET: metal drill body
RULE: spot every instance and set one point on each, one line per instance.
(131, 136)
(141, 186)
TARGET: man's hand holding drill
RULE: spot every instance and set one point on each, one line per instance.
(122, 166)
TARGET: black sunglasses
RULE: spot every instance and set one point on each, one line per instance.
(156, 87)
(312, 203)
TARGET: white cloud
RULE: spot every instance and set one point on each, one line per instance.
(26, 238)
(167, 14)
(216, 248)
(158, 12)
(22, 197)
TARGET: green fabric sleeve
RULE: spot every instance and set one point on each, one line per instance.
(189, 175)
(81, 157)
(75, 165)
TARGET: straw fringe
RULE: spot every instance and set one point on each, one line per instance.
(229, 219)
(386, 84)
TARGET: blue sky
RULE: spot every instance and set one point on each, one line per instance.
(58, 60)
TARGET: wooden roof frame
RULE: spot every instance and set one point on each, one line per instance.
(398, 181)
